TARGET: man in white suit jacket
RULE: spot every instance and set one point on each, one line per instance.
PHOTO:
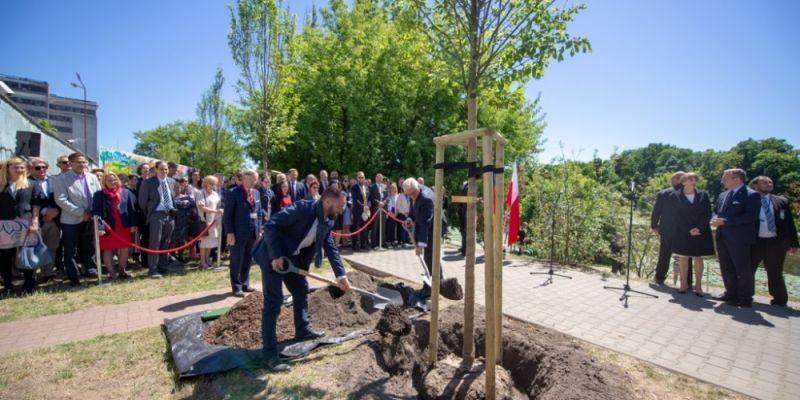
(73, 193)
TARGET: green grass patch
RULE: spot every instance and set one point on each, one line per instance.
(60, 298)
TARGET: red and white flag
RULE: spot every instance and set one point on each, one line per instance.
(512, 199)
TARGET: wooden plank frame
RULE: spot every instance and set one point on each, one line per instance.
(493, 146)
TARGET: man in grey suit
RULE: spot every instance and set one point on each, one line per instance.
(157, 202)
(73, 191)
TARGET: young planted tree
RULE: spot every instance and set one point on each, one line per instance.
(491, 42)
(211, 114)
(259, 38)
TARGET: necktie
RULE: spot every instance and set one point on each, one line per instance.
(250, 198)
(86, 191)
(165, 198)
(294, 191)
(364, 194)
(766, 205)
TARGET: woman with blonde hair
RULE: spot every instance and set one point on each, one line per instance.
(115, 204)
(19, 217)
(693, 232)
(209, 208)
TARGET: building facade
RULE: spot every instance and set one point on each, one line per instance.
(74, 119)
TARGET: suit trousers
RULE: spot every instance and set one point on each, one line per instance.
(375, 229)
(735, 263)
(273, 299)
(51, 234)
(665, 260)
(772, 252)
(161, 227)
(75, 236)
(362, 239)
(241, 258)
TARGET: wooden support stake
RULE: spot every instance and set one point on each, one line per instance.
(468, 350)
(437, 263)
(488, 248)
(499, 228)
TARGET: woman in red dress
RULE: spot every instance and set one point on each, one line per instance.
(116, 206)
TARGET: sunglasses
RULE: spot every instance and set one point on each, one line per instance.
(63, 162)
(40, 167)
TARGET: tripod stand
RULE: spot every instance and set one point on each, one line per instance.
(551, 272)
(626, 289)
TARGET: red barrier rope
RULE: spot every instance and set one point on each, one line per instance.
(351, 234)
(146, 250)
(393, 216)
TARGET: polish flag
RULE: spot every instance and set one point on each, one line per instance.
(512, 199)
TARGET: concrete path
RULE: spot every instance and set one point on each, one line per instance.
(752, 351)
(110, 319)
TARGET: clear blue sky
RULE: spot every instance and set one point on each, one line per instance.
(698, 74)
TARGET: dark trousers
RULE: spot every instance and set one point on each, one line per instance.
(241, 258)
(665, 260)
(161, 227)
(8, 257)
(462, 229)
(78, 237)
(362, 239)
(392, 233)
(273, 299)
(427, 255)
(59, 262)
(736, 266)
(773, 254)
(402, 235)
(374, 230)
(144, 240)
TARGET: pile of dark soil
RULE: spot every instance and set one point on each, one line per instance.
(537, 363)
(329, 309)
(450, 289)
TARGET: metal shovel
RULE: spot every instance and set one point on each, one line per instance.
(379, 301)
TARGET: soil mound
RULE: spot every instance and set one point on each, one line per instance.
(447, 381)
(329, 309)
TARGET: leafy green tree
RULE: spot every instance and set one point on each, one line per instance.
(212, 114)
(260, 42)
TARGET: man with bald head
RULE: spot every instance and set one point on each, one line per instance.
(662, 221)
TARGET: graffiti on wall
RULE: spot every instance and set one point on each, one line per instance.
(121, 162)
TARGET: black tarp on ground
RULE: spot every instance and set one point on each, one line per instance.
(193, 356)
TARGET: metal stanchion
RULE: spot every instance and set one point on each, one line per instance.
(219, 244)
(381, 218)
(98, 259)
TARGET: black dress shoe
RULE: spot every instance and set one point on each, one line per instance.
(723, 297)
(248, 290)
(276, 365)
(310, 334)
(238, 294)
(776, 303)
(744, 304)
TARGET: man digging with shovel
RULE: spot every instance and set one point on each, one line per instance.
(299, 233)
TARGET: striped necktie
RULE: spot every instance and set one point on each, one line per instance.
(766, 205)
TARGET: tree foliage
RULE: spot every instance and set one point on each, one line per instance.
(260, 38)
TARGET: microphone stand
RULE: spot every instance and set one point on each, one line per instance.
(551, 272)
(626, 289)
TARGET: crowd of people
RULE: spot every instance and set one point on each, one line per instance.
(753, 226)
(160, 209)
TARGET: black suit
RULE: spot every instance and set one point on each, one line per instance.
(376, 196)
(297, 190)
(359, 205)
(422, 215)
(734, 240)
(772, 250)
(664, 218)
(161, 222)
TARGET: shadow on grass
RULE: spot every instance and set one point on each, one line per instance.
(208, 299)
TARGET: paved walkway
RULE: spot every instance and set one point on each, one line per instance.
(109, 319)
(751, 351)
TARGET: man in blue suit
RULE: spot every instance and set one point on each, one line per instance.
(736, 220)
(242, 219)
(298, 232)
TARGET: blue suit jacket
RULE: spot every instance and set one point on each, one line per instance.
(237, 214)
(300, 189)
(287, 228)
(741, 216)
(358, 199)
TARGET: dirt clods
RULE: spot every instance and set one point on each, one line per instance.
(450, 289)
